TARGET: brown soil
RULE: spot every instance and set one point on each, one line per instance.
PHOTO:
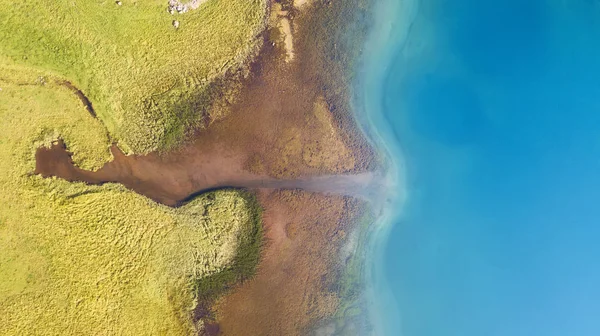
(167, 179)
(296, 281)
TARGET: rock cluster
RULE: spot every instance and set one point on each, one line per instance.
(176, 6)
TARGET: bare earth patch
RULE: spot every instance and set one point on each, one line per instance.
(296, 281)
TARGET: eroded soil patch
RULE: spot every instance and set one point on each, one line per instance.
(297, 280)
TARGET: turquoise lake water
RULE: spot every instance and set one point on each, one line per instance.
(490, 111)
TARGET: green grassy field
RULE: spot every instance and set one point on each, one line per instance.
(148, 81)
(102, 260)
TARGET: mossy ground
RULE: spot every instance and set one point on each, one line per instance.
(102, 260)
(148, 81)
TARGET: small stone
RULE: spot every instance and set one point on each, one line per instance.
(119, 3)
(175, 24)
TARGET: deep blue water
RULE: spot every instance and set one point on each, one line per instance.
(496, 107)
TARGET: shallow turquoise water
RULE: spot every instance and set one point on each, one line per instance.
(493, 108)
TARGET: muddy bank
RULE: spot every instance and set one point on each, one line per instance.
(281, 127)
(174, 184)
(297, 281)
(209, 175)
(291, 127)
(80, 95)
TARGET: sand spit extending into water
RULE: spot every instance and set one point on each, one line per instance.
(285, 131)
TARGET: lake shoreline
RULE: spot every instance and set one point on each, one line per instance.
(385, 41)
(243, 143)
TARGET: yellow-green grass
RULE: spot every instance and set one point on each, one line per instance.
(101, 260)
(148, 81)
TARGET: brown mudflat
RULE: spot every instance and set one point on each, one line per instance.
(167, 179)
(290, 128)
(297, 279)
(281, 127)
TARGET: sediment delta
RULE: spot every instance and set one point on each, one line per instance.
(289, 124)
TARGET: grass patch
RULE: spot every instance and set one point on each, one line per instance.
(243, 264)
(148, 81)
(99, 260)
